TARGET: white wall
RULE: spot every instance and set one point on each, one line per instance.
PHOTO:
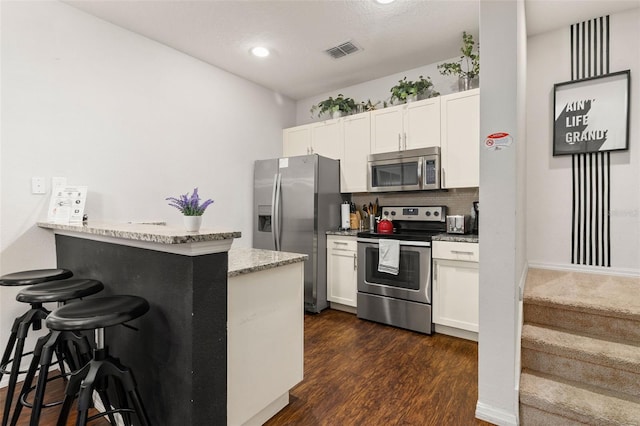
(134, 120)
(549, 191)
(379, 89)
(501, 180)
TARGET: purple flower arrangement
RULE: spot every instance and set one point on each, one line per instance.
(189, 205)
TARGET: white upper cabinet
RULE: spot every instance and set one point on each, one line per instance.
(326, 138)
(322, 138)
(461, 139)
(422, 124)
(386, 129)
(353, 167)
(408, 126)
(296, 141)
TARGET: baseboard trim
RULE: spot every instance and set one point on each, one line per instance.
(623, 272)
(495, 415)
(341, 307)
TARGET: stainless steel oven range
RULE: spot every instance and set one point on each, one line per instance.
(402, 300)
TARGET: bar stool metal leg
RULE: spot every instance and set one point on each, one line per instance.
(55, 341)
(31, 372)
(22, 325)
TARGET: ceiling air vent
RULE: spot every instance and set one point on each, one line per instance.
(342, 50)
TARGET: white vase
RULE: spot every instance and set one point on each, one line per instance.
(336, 114)
(192, 223)
(411, 98)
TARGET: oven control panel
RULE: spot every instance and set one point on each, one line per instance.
(421, 213)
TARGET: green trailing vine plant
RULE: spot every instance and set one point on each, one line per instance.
(470, 59)
(407, 88)
(330, 105)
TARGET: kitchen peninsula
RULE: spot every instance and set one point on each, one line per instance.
(184, 359)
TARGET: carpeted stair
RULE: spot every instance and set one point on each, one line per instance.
(580, 349)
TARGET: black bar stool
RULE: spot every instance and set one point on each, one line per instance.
(97, 314)
(72, 348)
(14, 351)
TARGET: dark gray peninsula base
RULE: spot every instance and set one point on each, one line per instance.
(179, 353)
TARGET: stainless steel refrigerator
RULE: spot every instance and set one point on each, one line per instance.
(296, 200)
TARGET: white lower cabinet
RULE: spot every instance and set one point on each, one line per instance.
(455, 288)
(342, 271)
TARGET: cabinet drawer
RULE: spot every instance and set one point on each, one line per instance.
(456, 251)
(342, 243)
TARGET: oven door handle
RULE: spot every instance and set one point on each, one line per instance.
(374, 241)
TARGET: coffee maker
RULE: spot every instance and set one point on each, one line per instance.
(476, 216)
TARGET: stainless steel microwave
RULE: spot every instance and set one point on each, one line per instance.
(410, 170)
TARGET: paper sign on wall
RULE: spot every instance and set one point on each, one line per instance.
(497, 141)
(67, 204)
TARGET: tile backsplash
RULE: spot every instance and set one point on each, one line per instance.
(458, 201)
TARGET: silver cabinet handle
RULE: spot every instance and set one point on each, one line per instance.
(340, 243)
(355, 262)
(399, 142)
(405, 140)
(461, 252)
(443, 185)
(435, 276)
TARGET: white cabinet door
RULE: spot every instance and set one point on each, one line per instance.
(353, 167)
(296, 141)
(460, 115)
(326, 139)
(386, 129)
(342, 270)
(409, 126)
(422, 124)
(455, 294)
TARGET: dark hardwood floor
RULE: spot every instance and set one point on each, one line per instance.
(49, 417)
(362, 373)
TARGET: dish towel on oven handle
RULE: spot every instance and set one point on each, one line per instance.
(388, 256)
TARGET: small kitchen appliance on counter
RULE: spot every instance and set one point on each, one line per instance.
(345, 212)
(402, 299)
(459, 224)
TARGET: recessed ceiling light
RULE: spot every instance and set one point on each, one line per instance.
(384, 1)
(260, 52)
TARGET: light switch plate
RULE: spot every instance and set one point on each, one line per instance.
(38, 185)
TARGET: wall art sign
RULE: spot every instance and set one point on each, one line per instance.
(592, 114)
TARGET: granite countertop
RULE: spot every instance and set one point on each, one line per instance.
(458, 238)
(344, 233)
(246, 260)
(155, 232)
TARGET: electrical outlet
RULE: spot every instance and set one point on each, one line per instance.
(37, 185)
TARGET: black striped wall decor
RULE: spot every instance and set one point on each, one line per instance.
(590, 234)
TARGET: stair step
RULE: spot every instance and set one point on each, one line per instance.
(594, 304)
(574, 401)
(607, 364)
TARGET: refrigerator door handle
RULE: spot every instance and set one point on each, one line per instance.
(273, 210)
(276, 218)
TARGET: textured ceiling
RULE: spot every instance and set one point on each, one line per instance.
(396, 37)
(400, 36)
